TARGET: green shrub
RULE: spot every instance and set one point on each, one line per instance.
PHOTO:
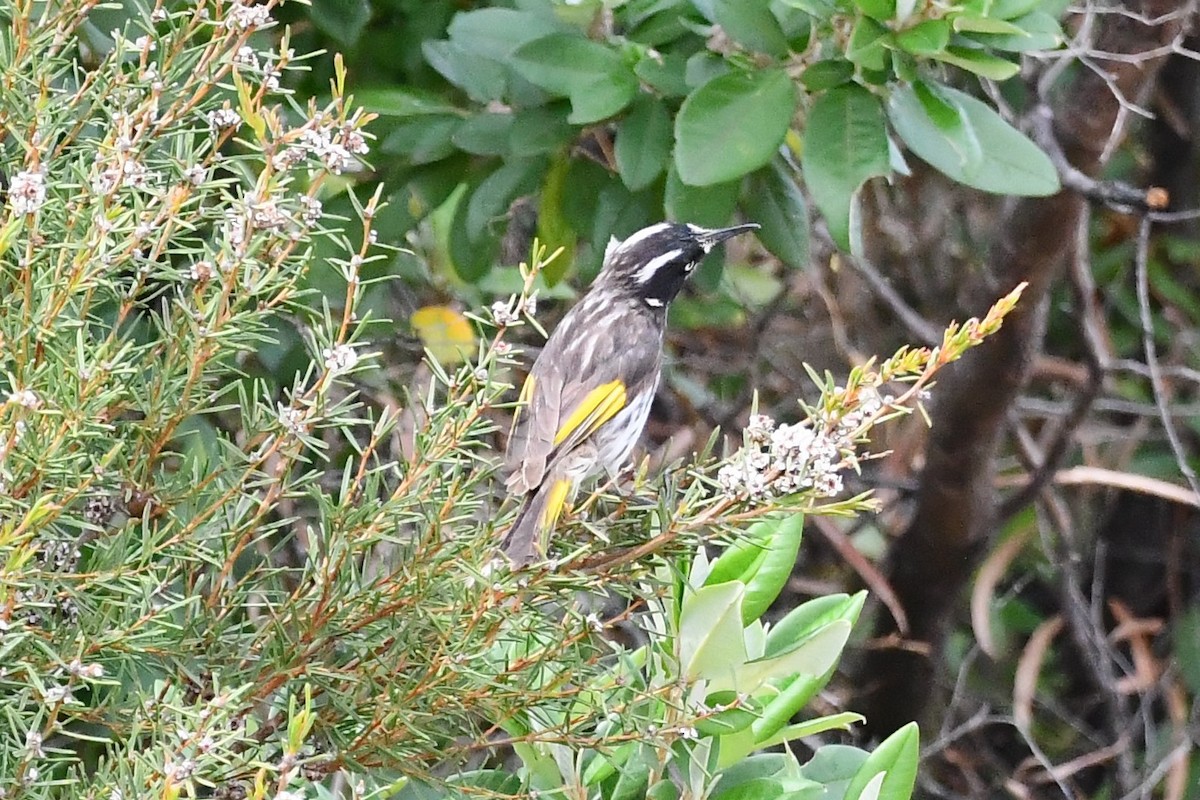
(228, 568)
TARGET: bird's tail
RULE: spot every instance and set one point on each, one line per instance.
(538, 514)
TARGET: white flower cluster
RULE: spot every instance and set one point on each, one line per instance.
(785, 459)
(337, 147)
(222, 118)
(27, 193)
(247, 15)
(340, 359)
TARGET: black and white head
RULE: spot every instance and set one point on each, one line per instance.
(655, 262)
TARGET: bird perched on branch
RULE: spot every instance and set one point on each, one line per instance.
(588, 395)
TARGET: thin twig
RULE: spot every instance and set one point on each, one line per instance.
(1141, 268)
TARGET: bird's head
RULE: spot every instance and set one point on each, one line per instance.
(653, 263)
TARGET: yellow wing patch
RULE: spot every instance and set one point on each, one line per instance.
(598, 407)
(554, 503)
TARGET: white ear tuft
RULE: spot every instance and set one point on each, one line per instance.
(613, 244)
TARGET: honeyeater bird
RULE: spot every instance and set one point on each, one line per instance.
(587, 398)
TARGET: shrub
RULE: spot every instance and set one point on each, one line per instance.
(228, 568)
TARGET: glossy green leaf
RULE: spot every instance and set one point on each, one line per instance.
(343, 20)
(980, 149)
(781, 546)
(389, 101)
(896, 759)
(496, 33)
(827, 74)
(710, 206)
(423, 139)
(751, 24)
(845, 144)
(812, 656)
(774, 201)
(1010, 9)
(484, 134)
(979, 62)
(866, 46)
(882, 10)
(794, 695)
(754, 789)
(732, 125)
(472, 257)
(710, 632)
(925, 38)
(812, 727)
(666, 74)
(540, 130)
(967, 23)
(595, 77)
(643, 144)
(1039, 31)
(834, 765)
(479, 77)
(822, 10)
(809, 617)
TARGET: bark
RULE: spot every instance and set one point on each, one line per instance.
(930, 563)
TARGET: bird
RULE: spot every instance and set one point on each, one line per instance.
(586, 399)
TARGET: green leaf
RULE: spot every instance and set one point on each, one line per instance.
(710, 643)
(479, 77)
(774, 201)
(781, 545)
(866, 45)
(813, 656)
(666, 74)
(845, 144)
(754, 789)
(834, 766)
(343, 20)
(794, 694)
(896, 759)
(643, 143)
(882, 10)
(812, 727)
(809, 617)
(710, 206)
(732, 125)
(423, 139)
(484, 134)
(595, 78)
(491, 200)
(980, 150)
(751, 24)
(827, 74)
(388, 101)
(472, 257)
(1039, 31)
(540, 130)
(925, 38)
(968, 23)
(983, 64)
(496, 33)
(553, 230)
(1011, 9)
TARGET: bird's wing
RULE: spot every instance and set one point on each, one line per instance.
(576, 386)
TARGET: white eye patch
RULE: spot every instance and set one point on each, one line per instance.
(651, 267)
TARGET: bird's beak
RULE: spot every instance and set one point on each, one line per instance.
(708, 238)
